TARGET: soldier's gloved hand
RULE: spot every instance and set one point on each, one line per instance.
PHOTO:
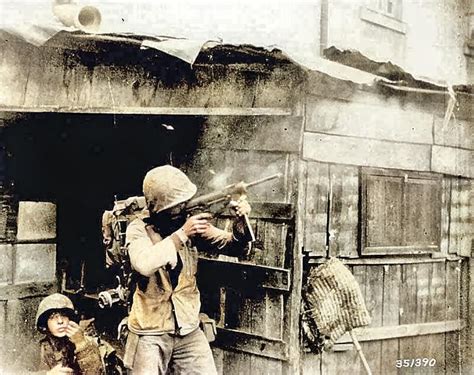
(59, 370)
(87, 326)
(75, 333)
(241, 206)
(196, 224)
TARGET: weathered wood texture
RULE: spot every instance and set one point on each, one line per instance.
(454, 133)
(325, 87)
(27, 275)
(390, 122)
(265, 133)
(366, 152)
(366, 130)
(400, 211)
(461, 236)
(453, 161)
(390, 218)
(445, 215)
(8, 215)
(343, 210)
(234, 149)
(331, 210)
(20, 338)
(112, 79)
(427, 294)
(36, 221)
(452, 310)
(315, 219)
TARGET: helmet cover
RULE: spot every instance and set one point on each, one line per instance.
(165, 187)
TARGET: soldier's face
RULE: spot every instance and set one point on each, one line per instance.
(57, 324)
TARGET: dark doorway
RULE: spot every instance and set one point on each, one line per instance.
(81, 162)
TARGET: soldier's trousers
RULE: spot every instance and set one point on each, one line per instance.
(170, 354)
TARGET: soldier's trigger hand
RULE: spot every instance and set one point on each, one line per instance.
(59, 369)
(196, 224)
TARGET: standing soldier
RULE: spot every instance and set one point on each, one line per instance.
(164, 319)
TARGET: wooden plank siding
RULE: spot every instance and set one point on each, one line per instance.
(425, 294)
(461, 217)
(28, 274)
(358, 128)
(445, 215)
(454, 133)
(249, 132)
(316, 208)
(101, 79)
(453, 161)
(452, 310)
(343, 211)
(419, 294)
(390, 316)
(397, 124)
(232, 149)
(366, 152)
(373, 291)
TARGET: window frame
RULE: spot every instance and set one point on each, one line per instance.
(381, 6)
(376, 13)
(395, 250)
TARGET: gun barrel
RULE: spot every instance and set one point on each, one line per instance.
(220, 195)
(264, 179)
(203, 200)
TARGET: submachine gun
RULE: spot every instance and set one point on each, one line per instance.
(115, 222)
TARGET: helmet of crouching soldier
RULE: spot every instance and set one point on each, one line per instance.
(165, 187)
(53, 303)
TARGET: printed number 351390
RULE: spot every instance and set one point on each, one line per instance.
(415, 362)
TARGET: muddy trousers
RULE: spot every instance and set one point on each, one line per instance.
(169, 354)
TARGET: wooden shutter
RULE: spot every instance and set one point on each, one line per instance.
(401, 212)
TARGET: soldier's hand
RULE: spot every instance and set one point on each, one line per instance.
(87, 326)
(74, 332)
(196, 224)
(59, 369)
(241, 206)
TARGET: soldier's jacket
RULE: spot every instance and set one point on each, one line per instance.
(83, 357)
(158, 307)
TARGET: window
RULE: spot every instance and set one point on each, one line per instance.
(401, 212)
(384, 13)
(391, 8)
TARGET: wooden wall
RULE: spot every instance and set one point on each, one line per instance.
(345, 125)
(416, 299)
(28, 274)
(249, 133)
(415, 311)
(419, 303)
(254, 311)
(104, 77)
(314, 207)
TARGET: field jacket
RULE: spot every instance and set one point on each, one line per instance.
(82, 358)
(157, 308)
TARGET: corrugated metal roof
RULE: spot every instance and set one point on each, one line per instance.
(184, 49)
(348, 66)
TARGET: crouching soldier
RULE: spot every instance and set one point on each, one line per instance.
(65, 349)
(164, 334)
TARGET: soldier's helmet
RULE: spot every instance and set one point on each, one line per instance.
(165, 187)
(55, 302)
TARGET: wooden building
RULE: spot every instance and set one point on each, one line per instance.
(372, 174)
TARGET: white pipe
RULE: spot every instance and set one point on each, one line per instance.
(86, 18)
